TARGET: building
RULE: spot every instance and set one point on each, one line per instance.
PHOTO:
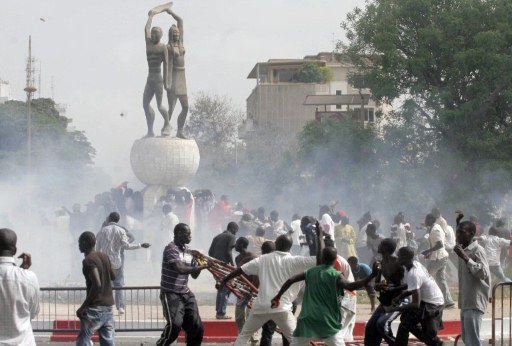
(5, 91)
(279, 101)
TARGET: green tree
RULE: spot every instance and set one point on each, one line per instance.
(61, 158)
(310, 72)
(447, 65)
(340, 153)
(213, 122)
(51, 138)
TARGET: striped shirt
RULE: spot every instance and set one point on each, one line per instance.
(172, 281)
(111, 240)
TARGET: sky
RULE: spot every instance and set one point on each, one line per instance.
(95, 53)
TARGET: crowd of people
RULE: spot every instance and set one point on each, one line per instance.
(318, 262)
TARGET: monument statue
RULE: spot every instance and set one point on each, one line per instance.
(164, 162)
(176, 68)
(157, 56)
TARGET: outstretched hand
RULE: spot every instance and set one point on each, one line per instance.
(145, 245)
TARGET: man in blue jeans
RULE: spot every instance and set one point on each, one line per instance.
(221, 249)
(95, 313)
(112, 240)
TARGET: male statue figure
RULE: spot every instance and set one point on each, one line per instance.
(156, 53)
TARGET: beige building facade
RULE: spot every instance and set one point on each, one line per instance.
(278, 101)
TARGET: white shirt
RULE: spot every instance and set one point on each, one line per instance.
(273, 270)
(345, 269)
(278, 228)
(110, 240)
(19, 303)
(401, 237)
(450, 237)
(327, 225)
(361, 236)
(297, 232)
(349, 300)
(493, 245)
(418, 278)
(437, 234)
(169, 221)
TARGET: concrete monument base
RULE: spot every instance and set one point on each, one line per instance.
(162, 163)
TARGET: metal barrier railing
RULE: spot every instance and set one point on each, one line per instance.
(501, 300)
(58, 305)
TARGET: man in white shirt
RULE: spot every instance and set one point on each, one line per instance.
(277, 225)
(112, 239)
(493, 245)
(297, 236)
(438, 257)
(423, 316)
(363, 252)
(398, 231)
(348, 299)
(19, 294)
(326, 221)
(273, 270)
(169, 221)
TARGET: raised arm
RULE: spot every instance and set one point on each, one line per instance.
(154, 11)
(320, 243)
(179, 22)
(147, 28)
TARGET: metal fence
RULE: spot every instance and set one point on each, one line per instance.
(501, 314)
(58, 305)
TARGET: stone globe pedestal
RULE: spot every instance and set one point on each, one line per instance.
(161, 163)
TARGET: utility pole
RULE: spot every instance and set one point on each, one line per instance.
(39, 80)
(29, 89)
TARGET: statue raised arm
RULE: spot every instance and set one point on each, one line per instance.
(178, 86)
(157, 55)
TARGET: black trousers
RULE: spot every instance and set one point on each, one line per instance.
(181, 312)
(423, 323)
(267, 332)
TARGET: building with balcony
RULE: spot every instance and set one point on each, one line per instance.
(279, 101)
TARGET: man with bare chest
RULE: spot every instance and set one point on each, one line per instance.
(389, 285)
(156, 53)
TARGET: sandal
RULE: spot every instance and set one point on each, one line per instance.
(225, 317)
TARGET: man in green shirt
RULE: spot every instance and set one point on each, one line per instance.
(320, 316)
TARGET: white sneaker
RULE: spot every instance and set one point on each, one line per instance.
(121, 311)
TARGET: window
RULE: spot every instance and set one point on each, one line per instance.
(369, 114)
(338, 92)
